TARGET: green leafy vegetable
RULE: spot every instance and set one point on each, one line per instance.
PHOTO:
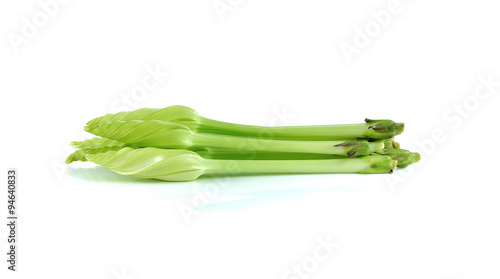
(177, 144)
(185, 165)
(371, 129)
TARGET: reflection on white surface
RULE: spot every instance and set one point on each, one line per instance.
(223, 193)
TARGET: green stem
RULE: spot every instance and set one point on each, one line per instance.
(314, 132)
(233, 154)
(184, 165)
(365, 164)
(342, 148)
(372, 129)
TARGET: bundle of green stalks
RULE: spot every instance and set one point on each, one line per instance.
(177, 144)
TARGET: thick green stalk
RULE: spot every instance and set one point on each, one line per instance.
(371, 129)
(156, 133)
(364, 164)
(184, 165)
(232, 154)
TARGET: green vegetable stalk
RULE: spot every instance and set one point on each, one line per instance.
(100, 145)
(177, 144)
(371, 129)
(156, 133)
(403, 157)
(185, 165)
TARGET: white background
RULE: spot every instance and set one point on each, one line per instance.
(265, 63)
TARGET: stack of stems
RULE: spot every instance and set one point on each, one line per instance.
(177, 144)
